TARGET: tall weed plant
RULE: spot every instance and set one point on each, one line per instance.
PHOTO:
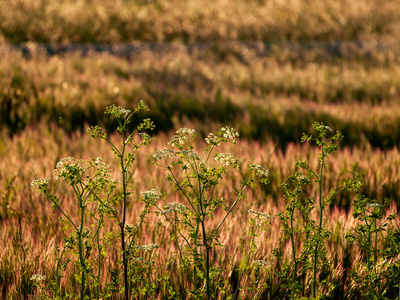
(97, 196)
(194, 224)
(197, 176)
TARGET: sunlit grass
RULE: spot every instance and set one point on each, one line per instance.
(29, 221)
(126, 21)
(274, 95)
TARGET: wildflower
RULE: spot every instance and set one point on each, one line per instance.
(260, 263)
(95, 132)
(164, 153)
(151, 196)
(374, 205)
(37, 278)
(174, 207)
(228, 133)
(212, 139)
(223, 135)
(117, 111)
(259, 215)
(149, 247)
(41, 184)
(259, 170)
(227, 159)
(146, 138)
(103, 174)
(146, 124)
(189, 154)
(142, 106)
(70, 170)
(183, 138)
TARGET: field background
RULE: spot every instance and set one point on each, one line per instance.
(267, 68)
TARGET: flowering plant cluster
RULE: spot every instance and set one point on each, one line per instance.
(195, 223)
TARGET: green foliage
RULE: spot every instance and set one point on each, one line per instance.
(96, 195)
(309, 231)
(197, 178)
(190, 261)
(369, 214)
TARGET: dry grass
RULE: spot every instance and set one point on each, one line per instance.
(107, 21)
(32, 229)
(277, 95)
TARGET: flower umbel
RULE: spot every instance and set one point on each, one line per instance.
(183, 138)
(223, 134)
(41, 184)
(259, 215)
(227, 160)
(38, 278)
(174, 207)
(164, 153)
(70, 170)
(152, 196)
(260, 172)
(117, 111)
(261, 263)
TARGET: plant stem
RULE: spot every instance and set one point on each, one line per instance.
(207, 259)
(122, 225)
(313, 287)
(293, 245)
(81, 249)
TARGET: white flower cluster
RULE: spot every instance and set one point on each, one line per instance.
(223, 134)
(259, 170)
(38, 277)
(259, 215)
(374, 205)
(70, 170)
(228, 132)
(149, 247)
(40, 184)
(261, 263)
(302, 178)
(164, 153)
(227, 159)
(117, 111)
(151, 196)
(212, 139)
(102, 168)
(146, 138)
(174, 207)
(183, 138)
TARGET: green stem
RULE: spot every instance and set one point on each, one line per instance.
(232, 207)
(293, 245)
(98, 263)
(376, 246)
(207, 260)
(313, 287)
(58, 272)
(122, 224)
(82, 250)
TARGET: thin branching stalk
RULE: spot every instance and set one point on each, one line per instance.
(321, 211)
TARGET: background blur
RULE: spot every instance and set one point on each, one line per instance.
(269, 68)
